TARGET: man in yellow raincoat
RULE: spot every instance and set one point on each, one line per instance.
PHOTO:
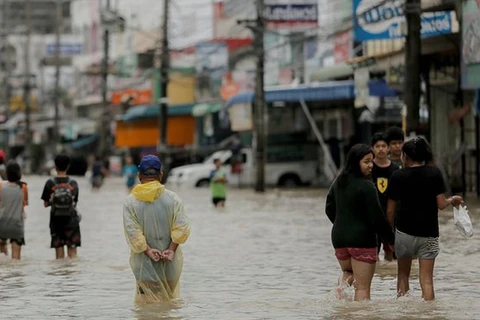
(155, 225)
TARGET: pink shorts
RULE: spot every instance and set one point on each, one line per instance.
(368, 255)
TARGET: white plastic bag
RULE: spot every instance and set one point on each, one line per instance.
(462, 221)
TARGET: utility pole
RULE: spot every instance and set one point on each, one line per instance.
(163, 83)
(56, 97)
(260, 134)
(27, 88)
(413, 48)
(6, 59)
(258, 28)
(104, 129)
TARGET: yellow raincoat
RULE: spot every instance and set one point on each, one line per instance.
(153, 215)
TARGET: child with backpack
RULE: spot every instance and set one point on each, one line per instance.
(13, 199)
(61, 194)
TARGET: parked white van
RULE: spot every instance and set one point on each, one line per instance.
(287, 174)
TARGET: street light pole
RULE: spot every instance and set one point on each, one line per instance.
(258, 28)
(164, 66)
(163, 63)
(260, 138)
(412, 63)
(6, 59)
(104, 129)
(27, 88)
(56, 97)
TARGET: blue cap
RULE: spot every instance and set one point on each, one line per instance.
(150, 162)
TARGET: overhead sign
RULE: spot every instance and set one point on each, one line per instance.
(211, 63)
(362, 93)
(212, 56)
(291, 15)
(240, 116)
(17, 103)
(342, 46)
(66, 49)
(229, 89)
(374, 21)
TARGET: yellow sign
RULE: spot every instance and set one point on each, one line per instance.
(17, 103)
(382, 184)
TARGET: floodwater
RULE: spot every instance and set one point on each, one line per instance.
(264, 257)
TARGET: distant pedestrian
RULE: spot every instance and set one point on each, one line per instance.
(99, 172)
(218, 184)
(61, 195)
(130, 172)
(13, 199)
(155, 226)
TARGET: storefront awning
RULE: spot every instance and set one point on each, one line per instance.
(152, 111)
(84, 141)
(325, 91)
(201, 109)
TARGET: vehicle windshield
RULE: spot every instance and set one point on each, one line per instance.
(216, 155)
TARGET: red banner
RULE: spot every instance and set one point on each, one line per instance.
(137, 96)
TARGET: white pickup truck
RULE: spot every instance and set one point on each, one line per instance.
(287, 174)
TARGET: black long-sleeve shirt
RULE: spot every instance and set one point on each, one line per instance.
(356, 215)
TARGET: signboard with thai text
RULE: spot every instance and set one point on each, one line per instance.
(386, 20)
(292, 15)
(66, 49)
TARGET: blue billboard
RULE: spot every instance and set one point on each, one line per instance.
(374, 21)
(66, 49)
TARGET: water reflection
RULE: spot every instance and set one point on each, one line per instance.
(387, 309)
(63, 268)
(165, 310)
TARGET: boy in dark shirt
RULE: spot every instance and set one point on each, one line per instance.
(395, 139)
(382, 170)
(61, 194)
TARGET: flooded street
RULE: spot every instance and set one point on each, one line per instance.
(264, 257)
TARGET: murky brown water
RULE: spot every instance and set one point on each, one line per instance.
(264, 257)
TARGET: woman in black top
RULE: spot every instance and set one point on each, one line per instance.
(354, 209)
(421, 190)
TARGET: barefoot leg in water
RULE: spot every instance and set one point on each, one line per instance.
(346, 279)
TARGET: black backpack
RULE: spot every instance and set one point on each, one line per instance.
(63, 203)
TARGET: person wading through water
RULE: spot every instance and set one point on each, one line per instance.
(155, 226)
(354, 209)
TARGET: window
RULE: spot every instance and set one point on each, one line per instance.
(333, 128)
(66, 10)
(229, 160)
